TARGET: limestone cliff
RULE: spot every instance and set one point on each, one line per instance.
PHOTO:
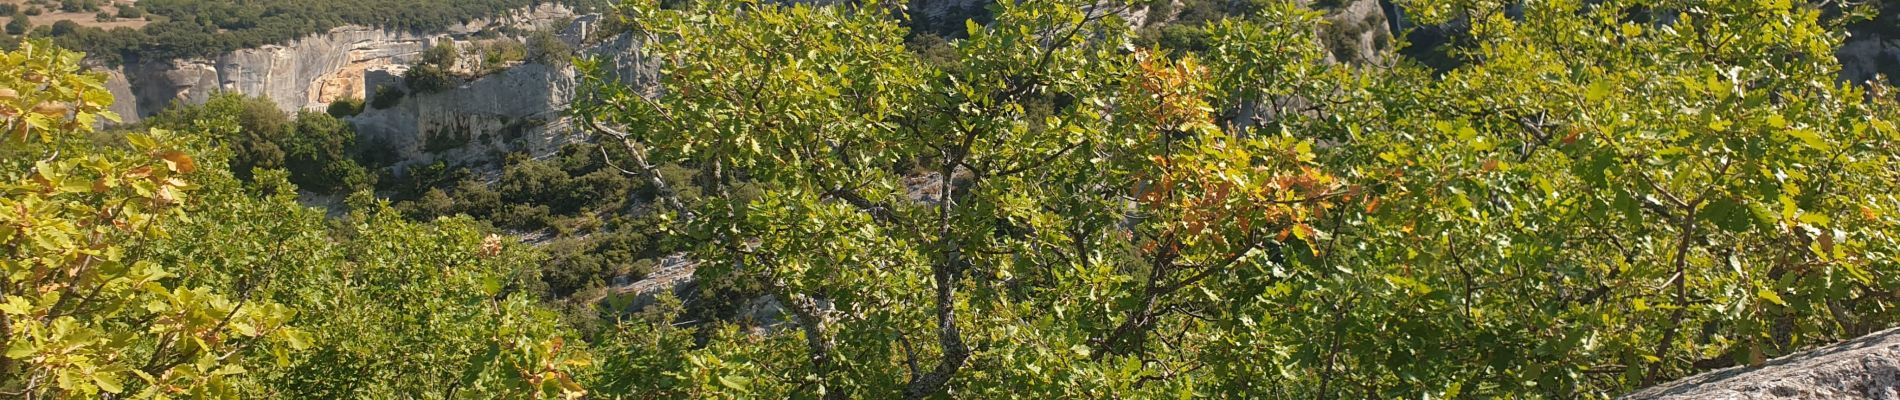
(519, 109)
(303, 74)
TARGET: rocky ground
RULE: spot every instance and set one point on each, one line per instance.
(1863, 368)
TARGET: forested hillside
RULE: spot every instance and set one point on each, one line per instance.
(205, 28)
(1578, 199)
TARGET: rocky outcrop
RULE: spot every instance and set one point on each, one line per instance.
(304, 74)
(519, 109)
(673, 275)
(1870, 55)
(1863, 368)
(1357, 32)
(1872, 48)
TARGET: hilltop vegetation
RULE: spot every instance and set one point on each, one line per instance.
(1057, 205)
(204, 28)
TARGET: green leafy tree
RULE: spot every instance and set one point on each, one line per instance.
(84, 312)
(1036, 134)
(18, 25)
(253, 128)
(1600, 195)
(138, 265)
(1607, 202)
(392, 308)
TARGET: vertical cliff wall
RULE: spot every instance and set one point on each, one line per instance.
(519, 109)
(303, 74)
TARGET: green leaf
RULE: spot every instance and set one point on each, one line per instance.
(1408, 284)
(1597, 91)
(1809, 138)
(1728, 214)
(108, 382)
(16, 305)
(1771, 297)
(738, 383)
(19, 348)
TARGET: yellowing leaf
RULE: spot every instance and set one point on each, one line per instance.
(108, 382)
(1809, 138)
(178, 161)
(1771, 297)
(738, 383)
(1598, 91)
(19, 349)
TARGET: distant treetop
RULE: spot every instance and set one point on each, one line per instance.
(203, 28)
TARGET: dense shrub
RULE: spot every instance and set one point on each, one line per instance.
(428, 78)
(544, 48)
(499, 53)
(316, 148)
(252, 127)
(386, 97)
(347, 107)
(18, 25)
(444, 55)
(205, 28)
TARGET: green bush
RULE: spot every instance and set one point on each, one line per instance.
(433, 203)
(386, 97)
(317, 149)
(498, 53)
(428, 78)
(346, 107)
(65, 27)
(546, 49)
(476, 199)
(252, 127)
(524, 217)
(19, 25)
(443, 54)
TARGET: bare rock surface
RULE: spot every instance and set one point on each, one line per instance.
(1864, 368)
(673, 275)
(1872, 48)
(303, 74)
(523, 108)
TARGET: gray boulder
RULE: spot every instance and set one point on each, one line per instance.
(1863, 368)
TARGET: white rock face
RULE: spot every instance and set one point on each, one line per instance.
(519, 109)
(1863, 368)
(304, 74)
(1357, 32)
